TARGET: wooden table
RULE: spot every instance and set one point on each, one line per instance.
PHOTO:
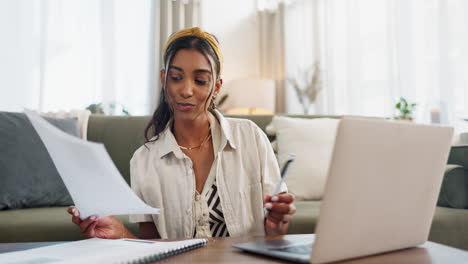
(219, 250)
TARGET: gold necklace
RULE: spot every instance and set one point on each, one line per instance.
(208, 136)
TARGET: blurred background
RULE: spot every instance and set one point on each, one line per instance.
(333, 57)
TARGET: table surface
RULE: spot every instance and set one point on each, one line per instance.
(219, 250)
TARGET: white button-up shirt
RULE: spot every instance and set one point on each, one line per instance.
(246, 171)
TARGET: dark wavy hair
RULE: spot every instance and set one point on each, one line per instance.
(163, 113)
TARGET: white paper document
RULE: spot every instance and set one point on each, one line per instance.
(93, 181)
(96, 250)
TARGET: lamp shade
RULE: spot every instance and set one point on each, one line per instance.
(251, 96)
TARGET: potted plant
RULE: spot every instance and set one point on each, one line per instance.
(307, 86)
(405, 109)
(108, 108)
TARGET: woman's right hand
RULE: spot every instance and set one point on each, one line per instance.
(107, 227)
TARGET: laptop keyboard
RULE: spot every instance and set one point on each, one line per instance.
(301, 249)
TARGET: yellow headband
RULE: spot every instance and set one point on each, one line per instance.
(197, 32)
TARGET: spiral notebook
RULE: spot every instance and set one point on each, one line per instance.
(97, 250)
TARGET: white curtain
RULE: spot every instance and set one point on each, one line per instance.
(303, 48)
(272, 48)
(374, 51)
(62, 55)
(171, 16)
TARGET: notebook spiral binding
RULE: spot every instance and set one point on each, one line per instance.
(168, 253)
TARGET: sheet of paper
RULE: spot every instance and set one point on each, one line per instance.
(93, 181)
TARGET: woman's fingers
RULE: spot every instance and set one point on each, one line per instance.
(76, 220)
(285, 218)
(275, 218)
(277, 228)
(283, 198)
(271, 225)
(75, 215)
(281, 208)
(106, 227)
(280, 212)
(283, 228)
(85, 224)
(91, 231)
(281, 203)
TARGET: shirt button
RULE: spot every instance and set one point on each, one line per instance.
(197, 197)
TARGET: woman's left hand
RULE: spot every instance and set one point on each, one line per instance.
(281, 209)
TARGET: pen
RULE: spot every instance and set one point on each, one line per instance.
(283, 176)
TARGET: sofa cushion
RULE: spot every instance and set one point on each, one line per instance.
(312, 141)
(449, 227)
(305, 219)
(29, 177)
(44, 224)
(81, 115)
(454, 190)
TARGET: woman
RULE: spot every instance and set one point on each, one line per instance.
(210, 175)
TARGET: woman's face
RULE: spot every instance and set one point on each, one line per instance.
(189, 84)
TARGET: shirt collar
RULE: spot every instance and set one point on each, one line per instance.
(226, 130)
(168, 143)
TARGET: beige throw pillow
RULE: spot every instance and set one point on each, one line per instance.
(312, 141)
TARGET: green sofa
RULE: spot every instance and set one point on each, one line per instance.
(123, 135)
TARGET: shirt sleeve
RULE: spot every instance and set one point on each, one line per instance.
(270, 172)
(135, 171)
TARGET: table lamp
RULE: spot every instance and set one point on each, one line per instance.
(251, 97)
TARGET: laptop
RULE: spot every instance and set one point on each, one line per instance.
(381, 191)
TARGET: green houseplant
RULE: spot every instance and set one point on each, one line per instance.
(405, 109)
(108, 109)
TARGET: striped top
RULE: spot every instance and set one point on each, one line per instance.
(209, 217)
(216, 216)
